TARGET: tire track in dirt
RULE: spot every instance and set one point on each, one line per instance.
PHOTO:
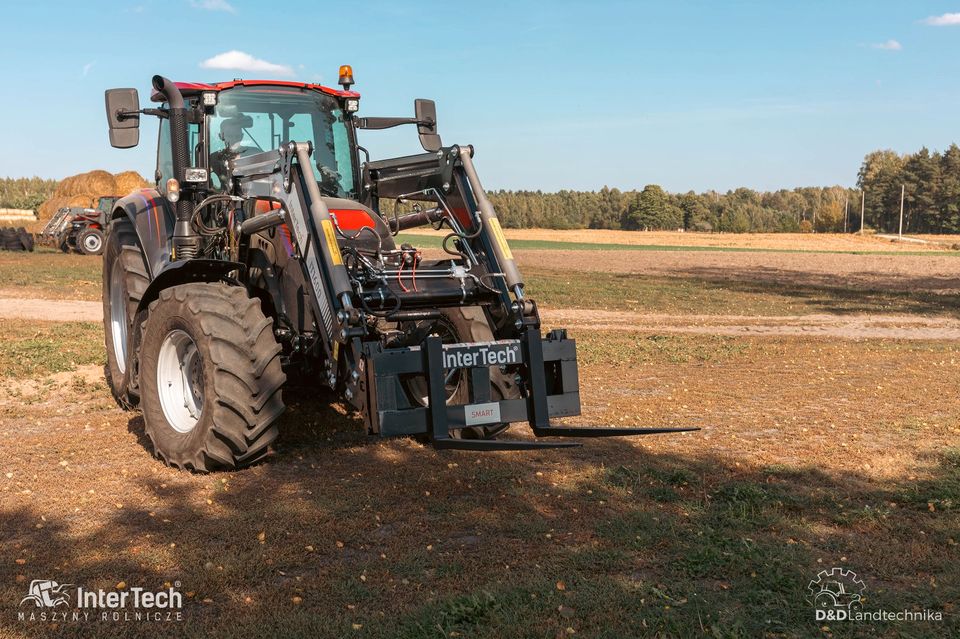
(821, 325)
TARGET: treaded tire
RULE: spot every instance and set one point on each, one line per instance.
(470, 324)
(122, 251)
(90, 241)
(26, 239)
(239, 372)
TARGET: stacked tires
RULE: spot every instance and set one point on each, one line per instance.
(16, 239)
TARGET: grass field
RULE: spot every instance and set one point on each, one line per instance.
(600, 240)
(50, 274)
(814, 453)
(903, 285)
(714, 533)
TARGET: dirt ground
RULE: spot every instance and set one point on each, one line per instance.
(827, 440)
(934, 273)
(582, 320)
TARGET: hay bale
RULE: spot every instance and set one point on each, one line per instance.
(98, 182)
(48, 208)
(84, 190)
(129, 181)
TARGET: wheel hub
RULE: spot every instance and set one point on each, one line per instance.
(180, 381)
(92, 243)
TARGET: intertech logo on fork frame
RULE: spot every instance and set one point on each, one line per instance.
(49, 601)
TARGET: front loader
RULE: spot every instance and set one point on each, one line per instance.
(269, 248)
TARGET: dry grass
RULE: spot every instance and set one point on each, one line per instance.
(50, 274)
(754, 241)
(814, 453)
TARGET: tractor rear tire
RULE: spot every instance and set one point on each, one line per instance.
(470, 324)
(90, 241)
(125, 280)
(210, 378)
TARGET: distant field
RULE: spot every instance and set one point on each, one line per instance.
(711, 282)
(672, 240)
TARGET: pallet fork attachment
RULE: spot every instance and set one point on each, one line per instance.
(552, 390)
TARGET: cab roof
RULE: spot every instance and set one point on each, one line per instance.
(191, 89)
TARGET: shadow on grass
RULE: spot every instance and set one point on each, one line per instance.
(860, 293)
(393, 539)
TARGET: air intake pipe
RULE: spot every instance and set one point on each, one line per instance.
(186, 241)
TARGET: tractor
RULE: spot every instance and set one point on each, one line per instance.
(79, 229)
(269, 249)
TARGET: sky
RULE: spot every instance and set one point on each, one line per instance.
(553, 94)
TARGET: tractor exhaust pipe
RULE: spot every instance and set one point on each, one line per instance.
(186, 241)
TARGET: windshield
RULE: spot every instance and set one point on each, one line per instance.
(250, 120)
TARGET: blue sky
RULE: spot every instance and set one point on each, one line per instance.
(554, 94)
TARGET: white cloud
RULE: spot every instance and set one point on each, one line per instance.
(946, 20)
(889, 45)
(240, 61)
(213, 5)
(87, 67)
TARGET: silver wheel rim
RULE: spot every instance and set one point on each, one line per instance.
(180, 381)
(92, 242)
(118, 317)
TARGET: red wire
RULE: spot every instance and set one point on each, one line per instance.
(416, 258)
(399, 281)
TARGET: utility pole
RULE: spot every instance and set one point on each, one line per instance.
(903, 190)
(846, 210)
(863, 197)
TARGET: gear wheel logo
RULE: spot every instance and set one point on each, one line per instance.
(836, 594)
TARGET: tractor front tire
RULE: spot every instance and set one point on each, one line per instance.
(90, 241)
(125, 280)
(210, 378)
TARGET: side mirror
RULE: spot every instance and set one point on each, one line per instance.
(123, 118)
(426, 112)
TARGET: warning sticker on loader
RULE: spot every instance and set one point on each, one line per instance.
(482, 414)
(498, 237)
(331, 238)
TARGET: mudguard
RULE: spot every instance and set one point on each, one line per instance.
(153, 220)
(186, 272)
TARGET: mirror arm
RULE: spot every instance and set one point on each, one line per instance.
(389, 123)
(135, 115)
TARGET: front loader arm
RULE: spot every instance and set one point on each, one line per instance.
(275, 176)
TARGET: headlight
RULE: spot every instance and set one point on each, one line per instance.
(173, 190)
(191, 174)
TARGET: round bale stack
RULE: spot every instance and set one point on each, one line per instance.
(84, 189)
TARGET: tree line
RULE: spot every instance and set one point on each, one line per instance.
(929, 181)
(25, 193)
(739, 211)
